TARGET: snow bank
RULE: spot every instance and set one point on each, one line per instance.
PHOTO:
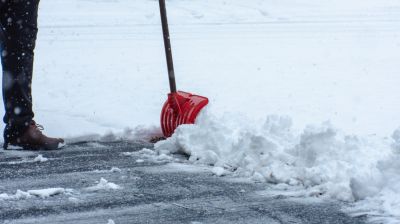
(103, 184)
(320, 161)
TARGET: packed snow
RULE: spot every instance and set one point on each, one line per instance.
(327, 69)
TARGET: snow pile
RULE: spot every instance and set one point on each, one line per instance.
(321, 161)
(103, 184)
(110, 221)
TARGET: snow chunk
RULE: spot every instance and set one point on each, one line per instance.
(17, 196)
(42, 193)
(45, 193)
(219, 171)
(115, 170)
(150, 155)
(103, 184)
(143, 152)
(112, 170)
(110, 221)
(40, 159)
(164, 157)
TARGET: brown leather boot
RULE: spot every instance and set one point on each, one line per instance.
(34, 139)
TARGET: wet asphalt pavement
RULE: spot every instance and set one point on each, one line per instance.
(152, 190)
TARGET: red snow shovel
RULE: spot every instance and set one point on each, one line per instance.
(180, 107)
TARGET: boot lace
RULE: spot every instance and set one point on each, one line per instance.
(39, 127)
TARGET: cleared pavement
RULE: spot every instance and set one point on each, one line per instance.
(146, 190)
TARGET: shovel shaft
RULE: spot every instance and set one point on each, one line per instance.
(167, 45)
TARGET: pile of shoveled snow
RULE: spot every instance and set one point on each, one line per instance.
(320, 161)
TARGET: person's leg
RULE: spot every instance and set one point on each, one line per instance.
(2, 36)
(19, 22)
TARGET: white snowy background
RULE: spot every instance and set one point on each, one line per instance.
(303, 93)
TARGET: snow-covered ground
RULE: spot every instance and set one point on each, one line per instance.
(100, 67)
(100, 64)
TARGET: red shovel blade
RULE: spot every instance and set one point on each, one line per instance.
(180, 108)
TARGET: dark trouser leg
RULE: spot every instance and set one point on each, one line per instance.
(19, 22)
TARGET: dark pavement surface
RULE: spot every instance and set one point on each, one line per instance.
(152, 191)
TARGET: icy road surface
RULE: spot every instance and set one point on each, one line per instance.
(93, 183)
